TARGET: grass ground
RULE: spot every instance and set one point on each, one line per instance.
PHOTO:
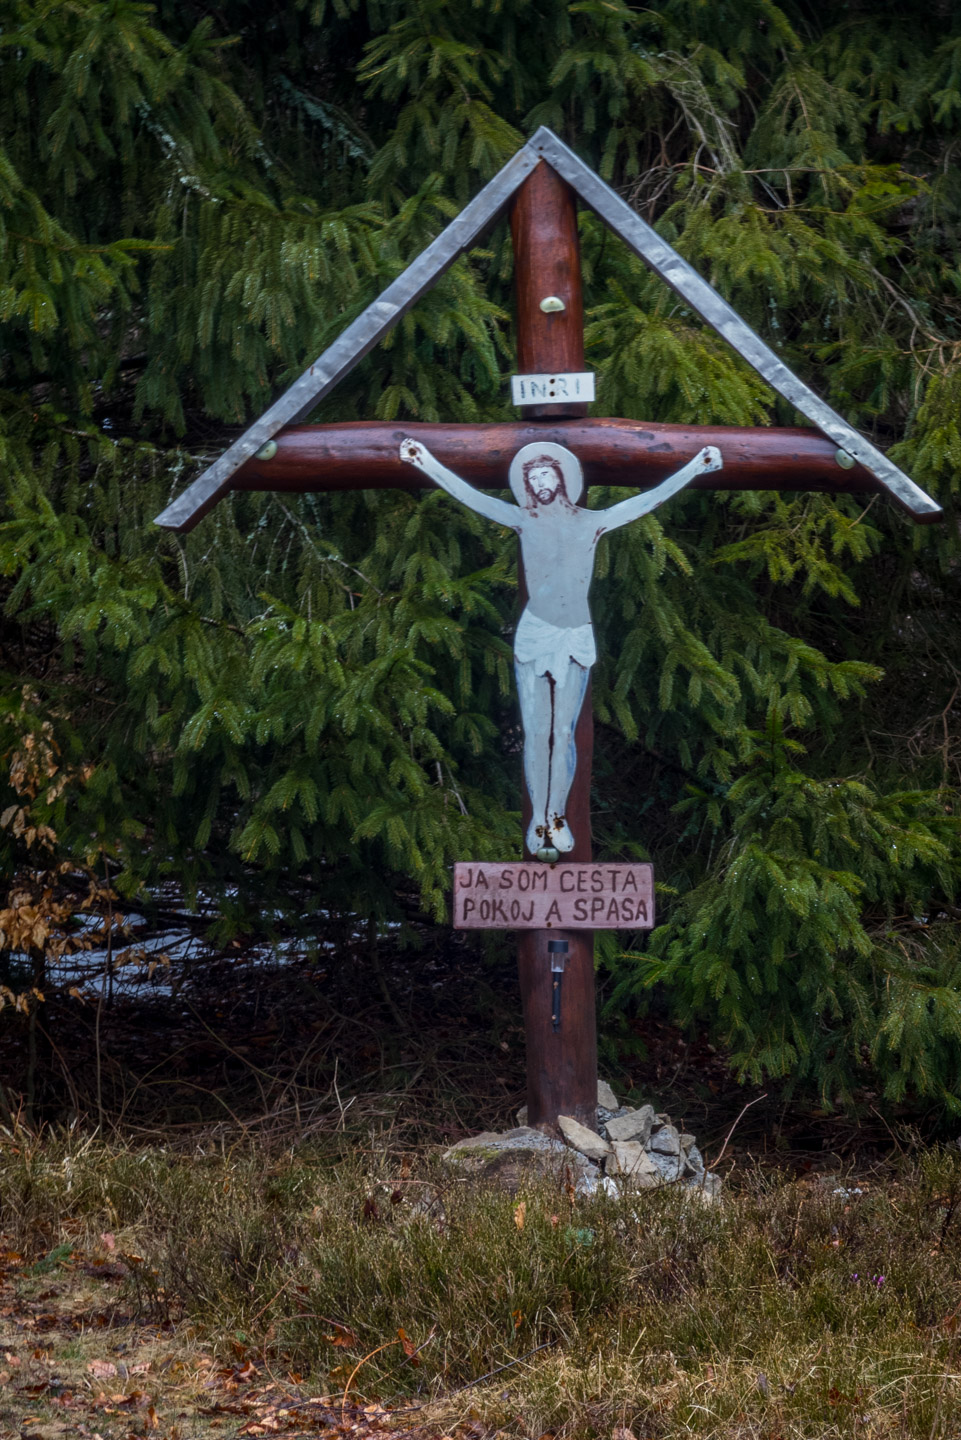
(353, 1287)
(268, 1245)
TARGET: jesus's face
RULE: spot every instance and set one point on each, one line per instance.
(544, 482)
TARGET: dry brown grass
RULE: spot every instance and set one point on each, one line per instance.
(240, 1293)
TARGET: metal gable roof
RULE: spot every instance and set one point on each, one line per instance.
(383, 313)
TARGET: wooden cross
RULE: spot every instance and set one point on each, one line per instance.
(541, 186)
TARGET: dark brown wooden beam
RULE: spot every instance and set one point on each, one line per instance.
(364, 455)
(547, 263)
(562, 1063)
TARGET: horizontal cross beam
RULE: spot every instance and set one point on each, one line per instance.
(463, 231)
(365, 455)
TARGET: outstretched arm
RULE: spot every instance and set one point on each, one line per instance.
(414, 453)
(703, 463)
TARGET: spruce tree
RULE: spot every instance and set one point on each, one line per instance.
(307, 703)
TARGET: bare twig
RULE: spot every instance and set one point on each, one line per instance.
(358, 1366)
(720, 1155)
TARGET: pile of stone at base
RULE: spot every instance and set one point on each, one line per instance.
(635, 1149)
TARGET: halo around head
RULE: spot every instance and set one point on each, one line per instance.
(566, 459)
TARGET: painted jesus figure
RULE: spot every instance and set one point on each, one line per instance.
(554, 645)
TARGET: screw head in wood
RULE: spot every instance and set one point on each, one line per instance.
(548, 855)
(267, 452)
(551, 304)
(846, 461)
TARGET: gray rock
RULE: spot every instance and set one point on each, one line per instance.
(694, 1161)
(630, 1160)
(595, 1147)
(632, 1125)
(707, 1187)
(670, 1167)
(516, 1156)
(665, 1141)
(645, 1151)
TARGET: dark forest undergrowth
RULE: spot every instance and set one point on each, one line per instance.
(420, 1045)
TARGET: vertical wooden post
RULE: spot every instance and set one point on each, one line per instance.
(561, 1064)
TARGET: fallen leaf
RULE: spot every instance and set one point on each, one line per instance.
(520, 1215)
(344, 1337)
(101, 1369)
(410, 1349)
(136, 1400)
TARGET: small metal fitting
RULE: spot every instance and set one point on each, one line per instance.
(557, 951)
(551, 304)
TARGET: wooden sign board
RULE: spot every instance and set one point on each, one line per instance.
(552, 389)
(553, 897)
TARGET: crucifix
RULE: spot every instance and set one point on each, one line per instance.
(557, 897)
(554, 645)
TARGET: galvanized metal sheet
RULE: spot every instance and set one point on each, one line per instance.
(353, 343)
(703, 298)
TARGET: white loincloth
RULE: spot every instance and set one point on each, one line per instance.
(553, 647)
